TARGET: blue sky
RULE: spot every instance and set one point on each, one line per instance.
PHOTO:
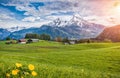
(34, 13)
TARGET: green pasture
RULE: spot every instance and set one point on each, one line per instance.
(55, 60)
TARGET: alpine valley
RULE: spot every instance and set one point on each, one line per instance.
(74, 28)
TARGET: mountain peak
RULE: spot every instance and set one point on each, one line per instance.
(75, 20)
(78, 20)
(58, 23)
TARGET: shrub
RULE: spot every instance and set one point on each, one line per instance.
(58, 39)
(8, 38)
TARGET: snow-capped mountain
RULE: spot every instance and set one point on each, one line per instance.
(58, 23)
(17, 28)
(75, 20)
(74, 28)
(78, 27)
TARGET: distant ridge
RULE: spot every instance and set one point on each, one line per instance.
(4, 33)
(17, 28)
(111, 33)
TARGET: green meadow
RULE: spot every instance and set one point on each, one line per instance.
(55, 60)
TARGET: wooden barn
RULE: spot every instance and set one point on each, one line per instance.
(22, 41)
(73, 40)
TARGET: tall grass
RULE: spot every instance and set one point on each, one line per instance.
(55, 60)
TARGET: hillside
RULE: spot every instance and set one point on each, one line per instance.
(111, 33)
(4, 33)
(54, 60)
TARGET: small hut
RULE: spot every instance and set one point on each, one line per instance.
(73, 40)
(32, 40)
(22, 41)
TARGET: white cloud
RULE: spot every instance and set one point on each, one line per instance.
(98, 11)
(5, 17)
(6, 14)
(8, 24)
(29, 19)
(62, 17)
(104, 20)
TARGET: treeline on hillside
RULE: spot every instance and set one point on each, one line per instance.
(60, 39)
(42, 36)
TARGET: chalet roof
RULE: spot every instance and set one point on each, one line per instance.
(22, 40)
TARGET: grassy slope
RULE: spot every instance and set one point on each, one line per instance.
(54, 60)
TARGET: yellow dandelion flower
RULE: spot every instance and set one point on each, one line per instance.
(8, 75)
(14, 72)
(18, 65)
(31, 67)
(34, 73)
